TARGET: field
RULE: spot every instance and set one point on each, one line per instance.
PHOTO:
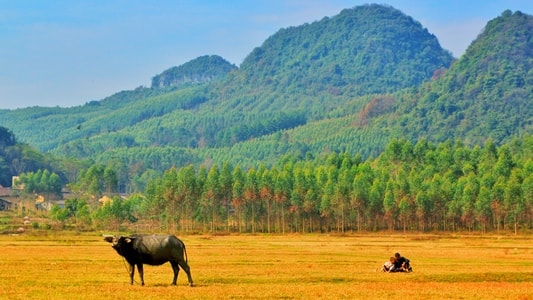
(71, 266)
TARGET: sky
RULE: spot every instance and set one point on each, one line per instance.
(68, 52)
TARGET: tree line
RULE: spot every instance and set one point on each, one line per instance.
(415, 187)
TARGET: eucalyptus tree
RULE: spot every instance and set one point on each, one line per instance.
(513, 199)
(251, 195)
(237, 192)
(389, 205)
(527, 192)
(282, 189)
(209, 206)
(342, 192)
(226, 189)
(170, 195)
(297, 196)
(188, 194)
(266, 194)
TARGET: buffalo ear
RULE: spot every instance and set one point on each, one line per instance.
(108, 238)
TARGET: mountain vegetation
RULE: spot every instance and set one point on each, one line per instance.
(301, 77)
(410, 187)
(17, 158)
(488, 93)
(202, 69)
(365, 96)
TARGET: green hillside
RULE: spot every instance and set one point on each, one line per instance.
(488, 93)
(365, 50)
(349, 83)
(202, 69)
(401, 51)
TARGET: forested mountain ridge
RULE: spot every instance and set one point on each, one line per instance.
(202, 69)
(487, 93)
(378, 75)
(260, 98)
(319, 67)
(366, 50)
(17, 158)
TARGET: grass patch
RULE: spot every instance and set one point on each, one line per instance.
(481, 277)
(83, 266)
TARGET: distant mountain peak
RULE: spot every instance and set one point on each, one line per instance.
(368, 49)
(199, 70)
(488, 92)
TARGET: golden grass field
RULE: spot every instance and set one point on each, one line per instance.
(70, 266)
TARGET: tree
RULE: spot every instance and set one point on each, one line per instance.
(513, 200)
(170, 195)
(251, 194)
(211, 198)
(282, 188)
(266, 193)
(110, 180)
(527, 192)
(189, 192)
(389, 205)
(361, 188)
(482, 209)
(41, 182)
(226, 182)
(297, 195)
(238, 196)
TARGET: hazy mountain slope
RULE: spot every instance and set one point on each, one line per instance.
(301, 73)
(369, 49)
(488, 93)
(270, 107)
(319, 66)
(50, 127)
(202, 69)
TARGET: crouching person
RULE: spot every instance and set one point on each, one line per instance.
(401, 263)
(388, 266)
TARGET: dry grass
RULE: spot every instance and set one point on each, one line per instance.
(274, 267)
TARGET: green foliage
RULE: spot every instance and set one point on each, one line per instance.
(484, 94)
(367, 49)
(97, 180)
(17, 158)
(299, 75)
(116, 212)
(404, 188)
(42, 181)
(202, 69)
(353, 83)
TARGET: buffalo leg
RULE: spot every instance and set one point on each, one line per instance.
(141, 273)
(187, 270)
(132, 272)
(176, 269)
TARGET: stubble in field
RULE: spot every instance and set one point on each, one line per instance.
(274, 267)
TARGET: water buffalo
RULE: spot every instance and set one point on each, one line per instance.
(151, 250)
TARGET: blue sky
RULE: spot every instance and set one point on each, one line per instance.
(66, 53)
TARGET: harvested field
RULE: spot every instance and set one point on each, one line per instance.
(70, 266)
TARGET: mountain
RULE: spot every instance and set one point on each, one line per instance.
(351, 82)
(367, 49)
(488, 93)
(320, 66)
(280, 85)
(202, 69)
(16, 158)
